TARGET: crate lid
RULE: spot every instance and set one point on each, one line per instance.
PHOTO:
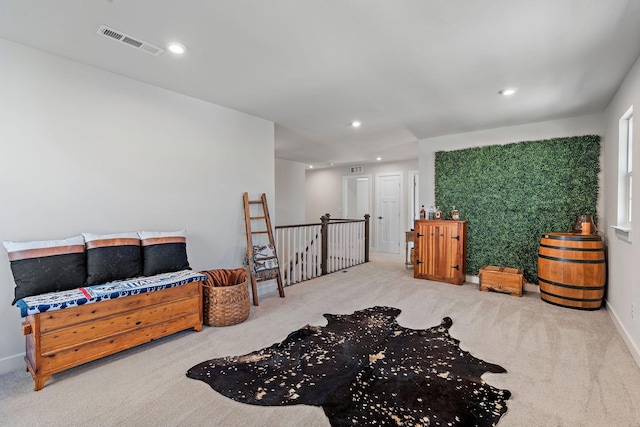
(498, 269)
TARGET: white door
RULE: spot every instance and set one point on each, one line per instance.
(388, 220)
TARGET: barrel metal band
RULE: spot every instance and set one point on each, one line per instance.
(572, 306)
(575, 261)
(564, 248)
(571, 299)
(574, 237)
(564, 285)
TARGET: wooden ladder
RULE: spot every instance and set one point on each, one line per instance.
(250, 233)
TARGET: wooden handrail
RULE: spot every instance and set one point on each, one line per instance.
(297, 225)
(332, 220)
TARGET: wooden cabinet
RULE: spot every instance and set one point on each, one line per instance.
(440, 250)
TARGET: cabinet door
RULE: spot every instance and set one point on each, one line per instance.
(448, 265)
(431, 249)
(423, 244)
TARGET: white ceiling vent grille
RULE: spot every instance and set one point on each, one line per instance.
(355, 169)
(129, 40)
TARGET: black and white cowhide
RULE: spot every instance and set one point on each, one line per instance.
(365, 369)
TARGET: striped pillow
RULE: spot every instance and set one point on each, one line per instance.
(112, 257)
(44, 266)
(163, 252)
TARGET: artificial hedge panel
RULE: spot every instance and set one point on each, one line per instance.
(512, 194)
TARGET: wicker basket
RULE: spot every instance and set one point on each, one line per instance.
(225, 305)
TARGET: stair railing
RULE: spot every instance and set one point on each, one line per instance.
(306, 251)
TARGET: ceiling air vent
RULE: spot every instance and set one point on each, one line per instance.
(355, 169)
(121, 37)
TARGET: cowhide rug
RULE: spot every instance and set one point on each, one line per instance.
(365, 369)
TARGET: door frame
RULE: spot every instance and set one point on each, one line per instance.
(413, 197)
(401, 222)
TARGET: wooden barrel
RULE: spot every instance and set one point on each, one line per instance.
(572, 270)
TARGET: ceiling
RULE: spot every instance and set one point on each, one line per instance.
(408, 69)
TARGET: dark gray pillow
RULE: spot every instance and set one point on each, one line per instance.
(163, 251)
(44, 266)
(112, 257)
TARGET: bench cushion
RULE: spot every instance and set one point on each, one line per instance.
(90, 294)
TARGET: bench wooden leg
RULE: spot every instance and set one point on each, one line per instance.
(38, 382)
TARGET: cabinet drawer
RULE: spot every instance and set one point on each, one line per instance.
(50, 321)
(109, 325)
(75, 355)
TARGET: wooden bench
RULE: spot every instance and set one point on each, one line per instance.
(61, 339)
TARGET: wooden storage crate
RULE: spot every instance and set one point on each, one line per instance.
(502, 279)
(61, 339)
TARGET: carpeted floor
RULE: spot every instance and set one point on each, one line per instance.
(565, 367)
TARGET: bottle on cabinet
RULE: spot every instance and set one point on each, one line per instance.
(423, 213)
(431, 212)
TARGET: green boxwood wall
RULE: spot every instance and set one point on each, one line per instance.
(512, 194)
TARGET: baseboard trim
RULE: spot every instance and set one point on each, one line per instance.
(633, 347)
(528, 287)
(12, 363)
(472, 279)
(266, 288)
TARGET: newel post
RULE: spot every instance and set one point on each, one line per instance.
(325, 242)
(366, 237)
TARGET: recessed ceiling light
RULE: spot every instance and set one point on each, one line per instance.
(177, 48)
(508, 92)
(356, 124)
(378, 158)
(310, 166)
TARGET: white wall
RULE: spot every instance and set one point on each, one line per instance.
(86, 150)
(324, 190)
(584, 125)
(323, 193)
(290, 190)
(623, 287)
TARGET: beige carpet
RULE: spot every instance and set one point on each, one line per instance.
(565, 367)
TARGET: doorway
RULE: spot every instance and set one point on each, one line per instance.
(356, 196)
(388, 212)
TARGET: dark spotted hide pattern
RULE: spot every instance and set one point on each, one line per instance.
(365, 369)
